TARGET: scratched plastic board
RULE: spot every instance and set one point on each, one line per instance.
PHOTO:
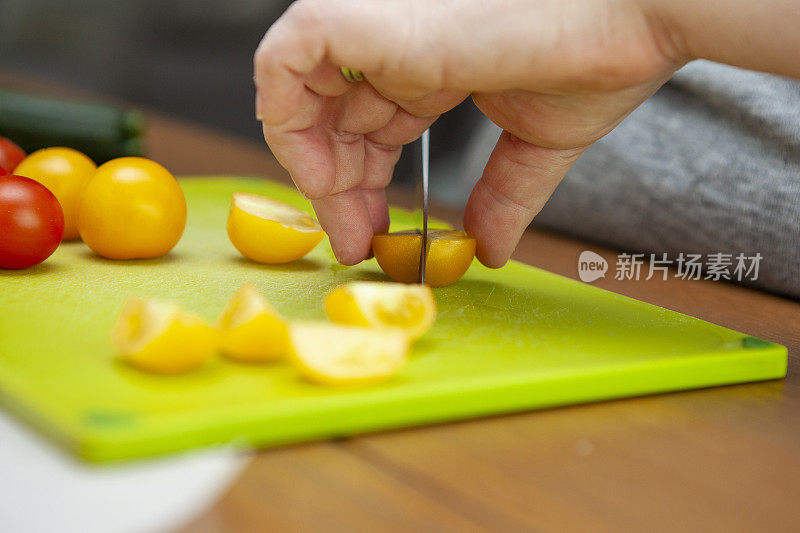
(505, 340)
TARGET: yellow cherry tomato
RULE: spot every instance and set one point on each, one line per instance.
(450, 253)
(270, 231)
(131, 208)
(64, 171)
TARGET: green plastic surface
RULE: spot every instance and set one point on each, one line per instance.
(505, 340)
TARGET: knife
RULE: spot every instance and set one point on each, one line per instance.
(423, 253)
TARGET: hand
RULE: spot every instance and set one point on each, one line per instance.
(556, 75)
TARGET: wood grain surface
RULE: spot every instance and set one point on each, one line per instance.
(722, 459)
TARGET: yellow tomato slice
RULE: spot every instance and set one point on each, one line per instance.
(270, 231)
(64, 171)
(450, 254)
(160, 337)
(252, 331)
(411, 308)
(332, 354)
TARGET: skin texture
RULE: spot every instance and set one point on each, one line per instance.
(556, 75)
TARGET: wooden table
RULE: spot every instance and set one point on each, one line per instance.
(723, 459)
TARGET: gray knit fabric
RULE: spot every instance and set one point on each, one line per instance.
(709, 164)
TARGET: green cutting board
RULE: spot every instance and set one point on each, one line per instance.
(505, 340)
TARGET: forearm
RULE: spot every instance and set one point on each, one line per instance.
(763, 35)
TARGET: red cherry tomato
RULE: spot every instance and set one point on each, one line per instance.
(31, 222)
(10, 155)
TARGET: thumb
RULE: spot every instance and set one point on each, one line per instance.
(516, 183)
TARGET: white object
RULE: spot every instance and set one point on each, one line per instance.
(42, 489)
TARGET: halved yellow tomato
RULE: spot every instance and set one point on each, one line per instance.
(270, 231)
(411, 308)
(450, 253)
(332, 354)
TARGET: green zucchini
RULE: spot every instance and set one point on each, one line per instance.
(100, 131)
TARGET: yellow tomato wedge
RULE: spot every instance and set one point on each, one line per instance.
(332, 354)
(450, 254)
(411, 308)
(161, 337)
(270, 231)
(252, 331)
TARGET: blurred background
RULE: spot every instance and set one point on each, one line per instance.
(190, 59)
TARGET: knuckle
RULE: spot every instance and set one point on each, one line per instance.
(261, 56)
(521, 153)
(345, 137)
(508, 200)
(388, 148)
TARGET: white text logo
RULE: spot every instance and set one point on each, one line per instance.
(591, 266)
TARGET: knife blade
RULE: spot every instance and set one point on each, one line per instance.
(423, 253)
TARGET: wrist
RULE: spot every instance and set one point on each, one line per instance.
(753, 35)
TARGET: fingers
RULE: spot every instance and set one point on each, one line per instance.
(327, 155)
(307, 156)
(516, 183)
(328, 164)
(351, 217)
(379, 162)
(281, 64)
(305, 46)
(326, 79)
(431, 104)
(403, 128)
(359, 111)
(346, 218)
(340, 141)
(375, 202)
(348, 161)
(384, 146)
